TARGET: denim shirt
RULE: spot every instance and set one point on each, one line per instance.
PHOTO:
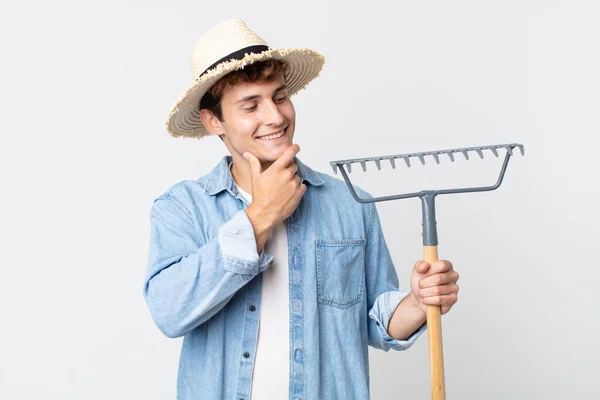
(204, 280)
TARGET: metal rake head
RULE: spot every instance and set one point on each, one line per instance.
(342, 165)
(421, 156)
(427, 196)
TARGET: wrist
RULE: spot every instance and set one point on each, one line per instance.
(407, 318)
(259, 219)
(261, 224)
(414, 304)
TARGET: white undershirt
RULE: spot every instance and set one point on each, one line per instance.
(270, 378)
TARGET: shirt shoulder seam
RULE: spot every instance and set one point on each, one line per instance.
(170, 196)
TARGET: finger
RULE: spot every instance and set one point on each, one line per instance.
(421, 267)
(438, 290)
(254, 163)
(288, 156)
(299, 193)
(445, 309)
(443, 300)
(302, 189)
(438, 279)
(296, 197)
(291, 171)
(441, 266)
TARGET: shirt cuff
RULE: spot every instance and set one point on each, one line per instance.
(238, 247)
(382, 311)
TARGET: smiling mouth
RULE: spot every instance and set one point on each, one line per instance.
(273, 136)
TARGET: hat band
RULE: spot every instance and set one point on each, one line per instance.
(238, 55)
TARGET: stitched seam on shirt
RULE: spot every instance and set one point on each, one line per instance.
(387, 314)
(207, 185)
(371, 221)
(239, 265)
(170, 196)
(184, 208)
(341, 242)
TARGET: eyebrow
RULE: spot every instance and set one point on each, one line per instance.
(255, 96)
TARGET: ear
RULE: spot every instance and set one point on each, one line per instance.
(211, 122)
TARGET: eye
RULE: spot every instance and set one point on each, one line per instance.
(250, 109)
(281, 98)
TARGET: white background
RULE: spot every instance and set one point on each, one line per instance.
(84, 91)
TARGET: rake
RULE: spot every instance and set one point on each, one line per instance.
(430, 238)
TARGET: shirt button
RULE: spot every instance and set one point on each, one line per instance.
(246, 355)
(252, 308)
(377, 323)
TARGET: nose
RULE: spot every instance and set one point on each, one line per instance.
(272, 114)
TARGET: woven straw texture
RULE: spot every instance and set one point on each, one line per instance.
(226, 38)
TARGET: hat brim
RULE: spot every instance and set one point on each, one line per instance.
(184, 118)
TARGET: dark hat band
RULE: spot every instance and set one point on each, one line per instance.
(238, 55)
(208, 101)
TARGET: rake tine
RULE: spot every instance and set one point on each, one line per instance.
(342, 164)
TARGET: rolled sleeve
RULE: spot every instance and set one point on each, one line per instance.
(381, 312)
(238, 247)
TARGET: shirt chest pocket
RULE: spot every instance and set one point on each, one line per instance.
(340, 272)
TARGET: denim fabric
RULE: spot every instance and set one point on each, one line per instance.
(204, 281)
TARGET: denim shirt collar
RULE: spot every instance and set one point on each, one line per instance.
(220, 177)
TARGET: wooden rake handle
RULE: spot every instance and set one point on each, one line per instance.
(434, 336)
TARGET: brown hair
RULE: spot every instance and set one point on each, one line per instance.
(263, 71)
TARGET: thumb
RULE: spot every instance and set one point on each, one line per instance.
(254, 163)
(421, 267)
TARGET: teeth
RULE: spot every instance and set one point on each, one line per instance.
(271, 137)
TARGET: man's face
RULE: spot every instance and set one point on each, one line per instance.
(258, 118)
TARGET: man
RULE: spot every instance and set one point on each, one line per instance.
(277, 279)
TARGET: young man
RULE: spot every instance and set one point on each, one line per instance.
(277, 279)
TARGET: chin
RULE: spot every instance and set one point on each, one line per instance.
(273, 154)
(272, 157)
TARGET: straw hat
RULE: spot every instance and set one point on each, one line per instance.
(227, 47)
